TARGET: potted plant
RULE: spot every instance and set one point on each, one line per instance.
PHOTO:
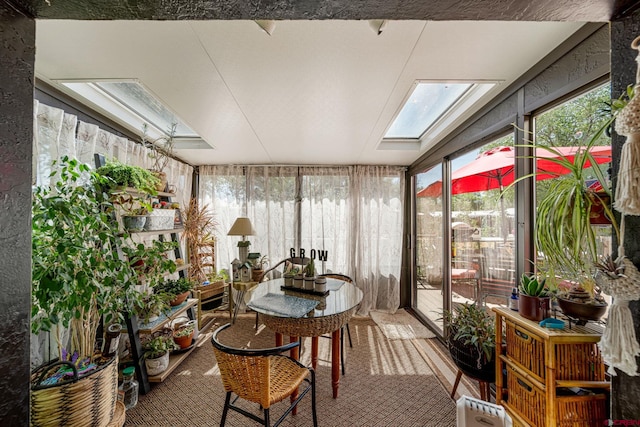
(534, 298)
(472, 341)
(309, 275)
(78, 277)
(183, 336)
(160, 151)
(258, 268)
(123, 176)
(151, 306)
(177, 290)
(199, 235)
(564, 233)
(156, 352)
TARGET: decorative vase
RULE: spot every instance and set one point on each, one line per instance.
(320, 284)
(308, 283)
(288, 279)
(158, 365)
(298, 281)
(162, 185)
(533, 308)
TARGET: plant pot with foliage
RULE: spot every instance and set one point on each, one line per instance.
(160, 152)
(151, 306)
(472, 341)
(79, 280)
(184, 336)
(564, 233)
(176, 290)
(156, 352)
(122, 176)
(534, 300)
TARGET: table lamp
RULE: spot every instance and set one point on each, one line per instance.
(242, 227)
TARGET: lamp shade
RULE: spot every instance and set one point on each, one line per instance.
(242, 227)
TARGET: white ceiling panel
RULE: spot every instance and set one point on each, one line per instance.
(314, 92)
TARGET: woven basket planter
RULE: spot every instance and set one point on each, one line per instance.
(84, 401)
(466, 359)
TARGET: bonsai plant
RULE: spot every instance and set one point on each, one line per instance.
(472, 340)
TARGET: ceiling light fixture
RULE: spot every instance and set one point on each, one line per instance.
(266, 25)
(377, 25)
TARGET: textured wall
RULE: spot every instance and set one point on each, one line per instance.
(515, 10)
(17, 55)
(623, 72)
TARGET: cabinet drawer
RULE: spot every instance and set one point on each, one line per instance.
(526, 349)
(527, 400)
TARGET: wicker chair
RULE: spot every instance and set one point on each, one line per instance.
(262, 376)
(350, 280)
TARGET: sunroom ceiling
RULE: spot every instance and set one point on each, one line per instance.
(312, 92)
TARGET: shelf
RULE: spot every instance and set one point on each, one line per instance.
(130, 190)
(156, 325)
(176, 359)
(156, 232)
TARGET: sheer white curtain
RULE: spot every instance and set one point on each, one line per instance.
(353, 212)
(58, 134)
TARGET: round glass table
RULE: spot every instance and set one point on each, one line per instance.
(285, 312)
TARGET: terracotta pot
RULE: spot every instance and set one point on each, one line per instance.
(533, 308)
(184, 341)
(179, 299)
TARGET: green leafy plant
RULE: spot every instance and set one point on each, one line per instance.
(532, 286)
(157, 345)
(77, 274)
(123, 175)
(473, 326)
(174, 287)
(563, 219)
(151, 305)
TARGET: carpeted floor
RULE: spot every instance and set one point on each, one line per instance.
(387, 383)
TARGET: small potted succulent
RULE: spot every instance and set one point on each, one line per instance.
(183, 336)
(309, 275)
(534, 298)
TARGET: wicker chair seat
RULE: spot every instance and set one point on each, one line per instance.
(262, 376)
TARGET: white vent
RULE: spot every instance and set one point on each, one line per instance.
(478, 413)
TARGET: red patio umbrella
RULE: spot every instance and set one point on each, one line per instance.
(495, 169)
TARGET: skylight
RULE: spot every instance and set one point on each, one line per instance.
(431, 108)
(132, 104)
(427, 103)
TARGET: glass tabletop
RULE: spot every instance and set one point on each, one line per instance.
(342, 296)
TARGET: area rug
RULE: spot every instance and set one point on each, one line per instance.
(400, 325)
(387, 383)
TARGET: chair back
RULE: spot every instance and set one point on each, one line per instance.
(294, 261)
(245, 372)
(337, 276)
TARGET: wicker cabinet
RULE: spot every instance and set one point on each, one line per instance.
(548, 377)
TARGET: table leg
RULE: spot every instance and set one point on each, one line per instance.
(314, 352)
(295, 354)
(236, 307)
(335, 361)
(279, 339)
